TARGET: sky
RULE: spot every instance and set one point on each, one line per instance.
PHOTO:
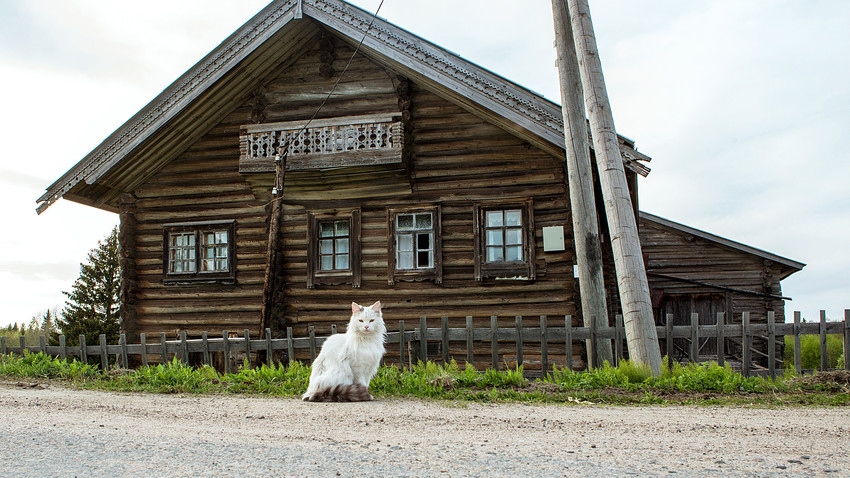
(741, 104)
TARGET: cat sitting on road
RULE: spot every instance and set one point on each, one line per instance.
(347, 362)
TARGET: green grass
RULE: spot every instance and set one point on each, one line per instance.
(810, 351)
(628, 383)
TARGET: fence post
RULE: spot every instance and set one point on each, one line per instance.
(746, 354)
(144, 343)
(163, 348)
(122, 340)
(3, 345)
(104, 359)
(544, 346)
(206, 346)
(401, 360)
(184, 348)
(290, 347)
(42, 344)
(619, 335)
(423, 339)
(846, 339)
(771, 344)
(594, 345)
(444, 325)
(84, 356)
(470, 354)
(519, 360)
(247, 335)
(668, 337)
(226, 346)
(798, 357)
(823, 364)
(568, 340)
(23, 342)
(269, 351)
(694, 337)
(494, 341)
(721, 339)
(63, 348)
(312, 343)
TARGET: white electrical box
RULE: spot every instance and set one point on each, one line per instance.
(553, 238)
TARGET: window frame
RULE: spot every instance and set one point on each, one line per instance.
(334, 277)
(433, 273)
(196, 229)
(519, 270)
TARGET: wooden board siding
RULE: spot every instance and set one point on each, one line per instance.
(675, 254)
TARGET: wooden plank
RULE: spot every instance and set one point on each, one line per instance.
(444, 328)
(771, 344)
(290, 350)
(619, 335)
(63, 348)
(593, 345)
(668, 340)
(568, 340)
(401, 344)
(226, 343)
(206, 346)
(23, 343)
(122, 341)
(470, 355)
(846, 339)
(312, 343)
(721, 339)
(3, 344)
(823, 362)
(143, 342)
(184, 349)
(423, 339)
(163, 350)
(269, 350)
(544, 346)
(84, 356)
(519, 360)
(247, 334)
(104, 358)
(42, 344)
(798, 357)
(494, 342)
(694, 337)
(746, 337)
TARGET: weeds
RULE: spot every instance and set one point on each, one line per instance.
(627, 383)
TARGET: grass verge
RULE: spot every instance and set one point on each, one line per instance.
(626, 384)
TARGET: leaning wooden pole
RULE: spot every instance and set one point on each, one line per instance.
(580, 177)
(622, 224)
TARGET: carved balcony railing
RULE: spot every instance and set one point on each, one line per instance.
(324, 144)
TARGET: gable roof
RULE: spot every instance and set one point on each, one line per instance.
(793, 265)
(279, 34)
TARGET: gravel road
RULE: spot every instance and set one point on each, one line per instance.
(48, 430)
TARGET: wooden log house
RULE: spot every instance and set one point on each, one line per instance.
(423, 181)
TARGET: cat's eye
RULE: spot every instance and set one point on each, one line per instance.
(361, 320)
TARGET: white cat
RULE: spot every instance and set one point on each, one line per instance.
(347, 362)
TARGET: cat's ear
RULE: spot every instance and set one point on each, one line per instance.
(376, 306)
(355, 308)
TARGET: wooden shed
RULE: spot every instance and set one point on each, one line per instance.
(693, 271)
(274, 183)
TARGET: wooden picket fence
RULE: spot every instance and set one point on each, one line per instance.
(413, 345)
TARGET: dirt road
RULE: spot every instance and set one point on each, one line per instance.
(54, 431)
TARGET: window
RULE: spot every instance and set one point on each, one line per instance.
(333, 248)
(414, 244)
(199, 252)
(504, 237)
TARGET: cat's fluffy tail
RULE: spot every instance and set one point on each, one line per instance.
(341, 393)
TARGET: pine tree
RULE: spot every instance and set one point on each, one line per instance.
(93, 303)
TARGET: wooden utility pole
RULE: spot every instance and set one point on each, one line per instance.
(580, 177)
(622, 224)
